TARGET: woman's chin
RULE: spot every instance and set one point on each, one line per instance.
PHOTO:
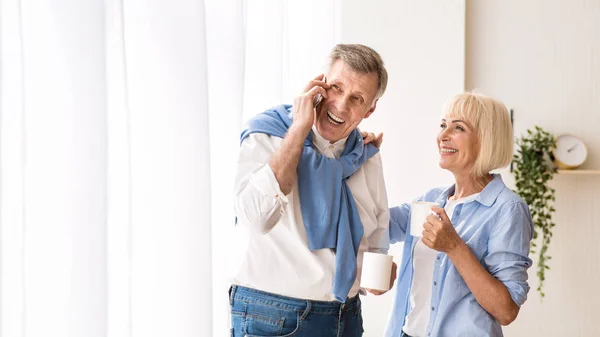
(448, 167)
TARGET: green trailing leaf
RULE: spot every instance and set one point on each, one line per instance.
(533, 170)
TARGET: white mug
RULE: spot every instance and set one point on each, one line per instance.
(419, 211)
(376, 271)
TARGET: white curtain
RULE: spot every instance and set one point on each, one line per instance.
(119, 130)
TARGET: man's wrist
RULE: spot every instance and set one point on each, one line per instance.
(299, 132)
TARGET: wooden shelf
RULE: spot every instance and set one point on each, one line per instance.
(577, 171)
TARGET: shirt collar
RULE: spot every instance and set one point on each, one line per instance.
(487, 197)
(323, 144)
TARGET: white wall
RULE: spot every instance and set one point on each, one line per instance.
(422, 43)
(542, 58)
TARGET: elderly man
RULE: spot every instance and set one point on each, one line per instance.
(313, 199)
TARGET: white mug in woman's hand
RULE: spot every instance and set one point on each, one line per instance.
(419, 211)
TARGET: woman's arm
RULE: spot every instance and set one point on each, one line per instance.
(399, 220)
(502, 289)
(490, 293)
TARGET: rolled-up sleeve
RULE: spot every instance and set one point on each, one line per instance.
(259, 202)
(399, 219)
(508, 250)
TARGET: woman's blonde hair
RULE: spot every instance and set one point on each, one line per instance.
(491, 120)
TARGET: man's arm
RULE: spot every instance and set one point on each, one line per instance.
(378, 240)
(284, 162)
(267, 171)
(259, 203)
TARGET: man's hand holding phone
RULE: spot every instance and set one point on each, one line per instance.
(305, 104)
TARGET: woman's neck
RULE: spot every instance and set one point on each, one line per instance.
(467, 185)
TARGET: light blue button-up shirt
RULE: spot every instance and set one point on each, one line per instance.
(498, 229)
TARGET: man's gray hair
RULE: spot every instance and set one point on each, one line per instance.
(361, 59)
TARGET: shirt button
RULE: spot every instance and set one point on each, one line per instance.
(432, 308)
(435, 283)
(438, 258)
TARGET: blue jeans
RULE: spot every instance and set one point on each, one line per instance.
(256, 313)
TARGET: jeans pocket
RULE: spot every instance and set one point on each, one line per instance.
(237, 323)
(266, 321)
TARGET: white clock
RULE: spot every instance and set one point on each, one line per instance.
(570, 152)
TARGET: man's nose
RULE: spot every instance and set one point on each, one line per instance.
(342, 104)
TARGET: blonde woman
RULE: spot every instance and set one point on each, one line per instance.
(467, 274)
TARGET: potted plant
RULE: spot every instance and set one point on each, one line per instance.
(533, 170)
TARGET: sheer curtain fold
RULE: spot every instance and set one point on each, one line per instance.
(12, 151)
(119, 163)
(60, 151)
(170, 175)
(105, 178)
(226, 50)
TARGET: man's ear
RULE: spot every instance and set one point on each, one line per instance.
(372, 109)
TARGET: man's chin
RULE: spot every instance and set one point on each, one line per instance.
(325, 132)
(330, 132)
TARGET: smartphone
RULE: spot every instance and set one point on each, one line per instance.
(318, 97)
(317, 100)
